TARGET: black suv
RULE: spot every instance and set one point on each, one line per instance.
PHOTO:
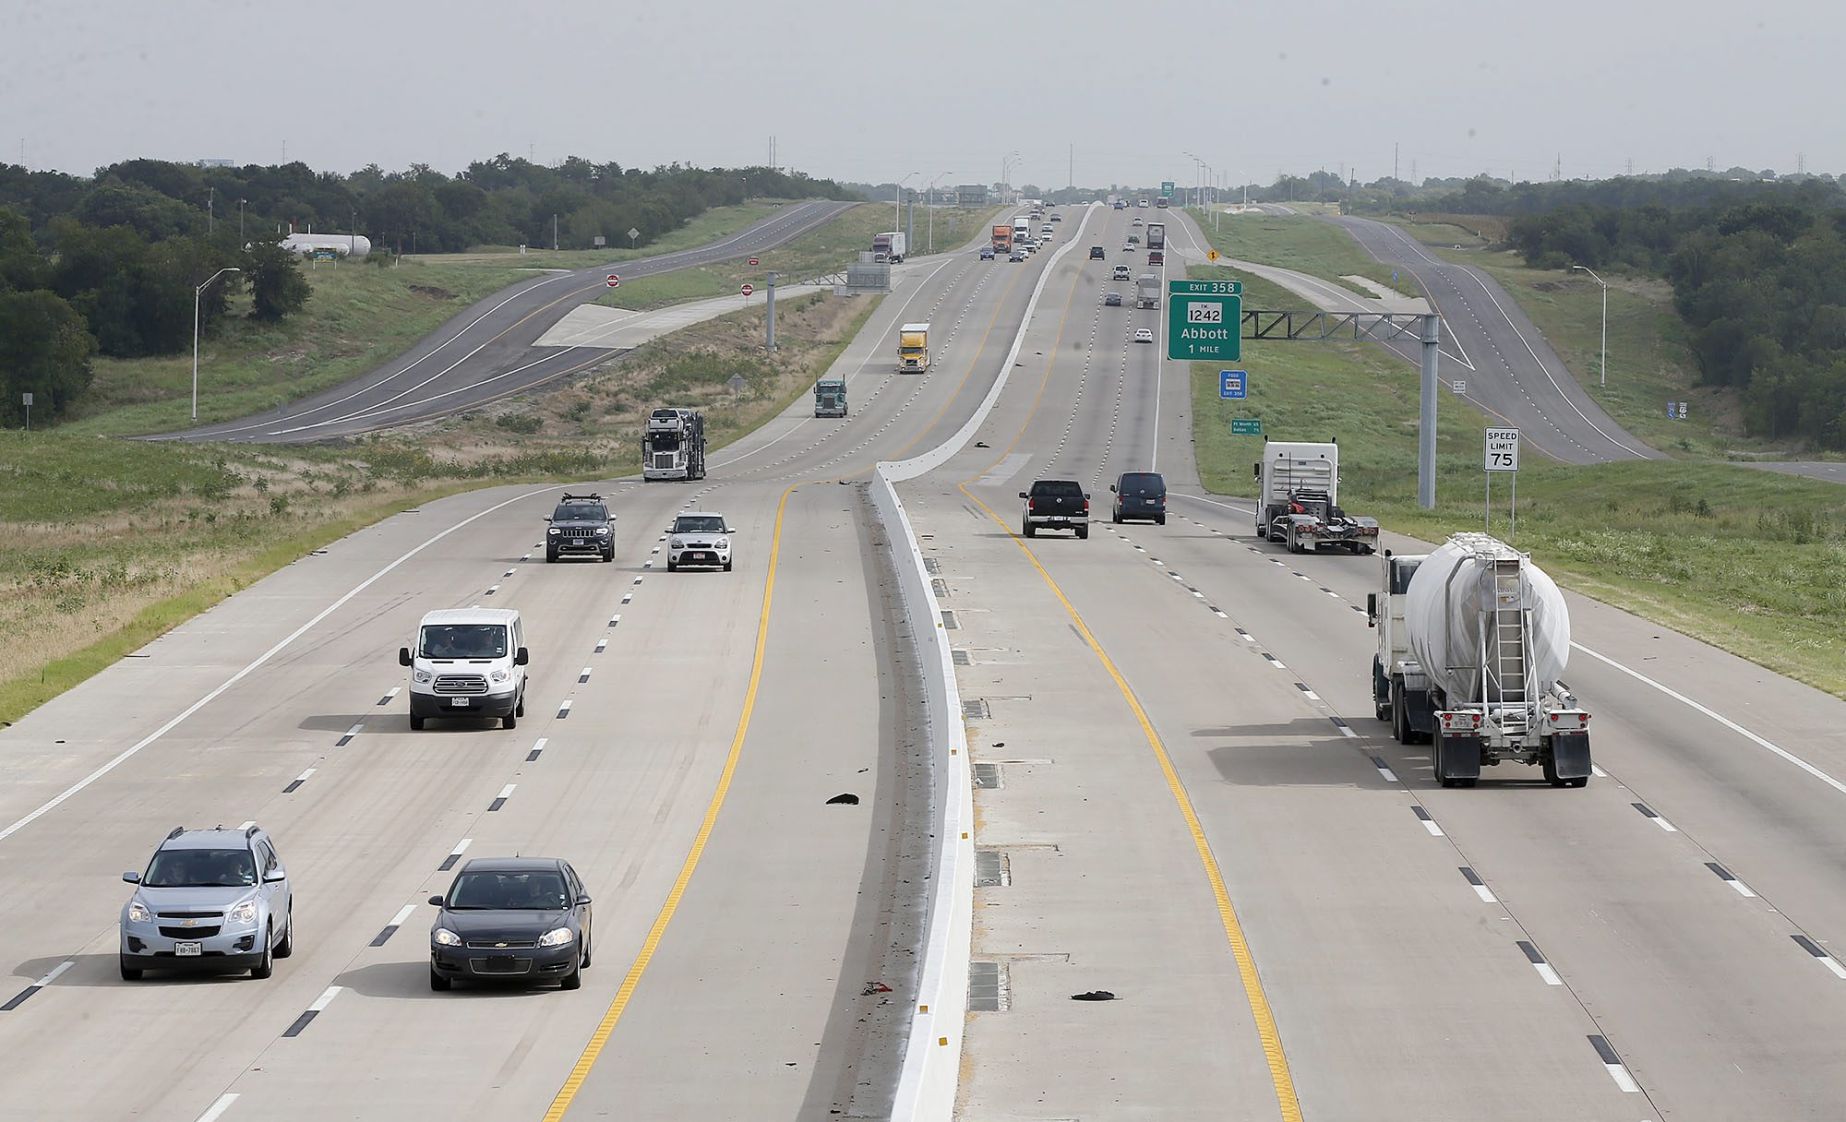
(1140, 494)
(581, 526)
(1096, 253)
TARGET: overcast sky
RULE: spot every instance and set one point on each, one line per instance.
(873, 90)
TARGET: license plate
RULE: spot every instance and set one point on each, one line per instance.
(189, 950)
(1059, 518)
(459, 702)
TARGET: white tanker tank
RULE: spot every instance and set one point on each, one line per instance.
(1473, 640)
(342, 245)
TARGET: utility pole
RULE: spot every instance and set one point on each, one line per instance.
(1394, 159)
(554, 233)
(1070, 175)
(769, 328)
(211, 197)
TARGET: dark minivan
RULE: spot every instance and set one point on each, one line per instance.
(1140, 494)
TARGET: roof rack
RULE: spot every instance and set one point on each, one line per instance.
(177, 831)
(568, 497)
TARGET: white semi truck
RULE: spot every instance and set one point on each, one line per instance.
(673, 445)
(889, 247)
(1297, 501)
(1472, 640)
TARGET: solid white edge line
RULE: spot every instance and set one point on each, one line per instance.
(1547, 973)
(403, 914)
(1720, 718)
(325, 999)
(1619, 1073)
(133, 749)
(217, 1109)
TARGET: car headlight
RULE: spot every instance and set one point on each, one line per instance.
(443, 937)
(244, 912)
(421, 676)
(139, 912)
(553, 530)
(724, 543)
(677, 544)
(498, 675)
(556, 937)
(602, 531)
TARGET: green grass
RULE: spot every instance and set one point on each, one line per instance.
(359, 317)
(713, 225)
(1649, 362)
(1306, 245)
(1743, 559)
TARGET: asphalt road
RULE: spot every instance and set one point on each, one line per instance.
(683, 736)
(487, 351)
(1173, 709)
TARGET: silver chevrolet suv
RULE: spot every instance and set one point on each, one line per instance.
(214, 900)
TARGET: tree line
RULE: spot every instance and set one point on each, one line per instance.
(1758, 270)
(108, 264)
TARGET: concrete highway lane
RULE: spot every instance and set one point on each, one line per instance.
(682, 736)
(1657, 945)
(487, 351)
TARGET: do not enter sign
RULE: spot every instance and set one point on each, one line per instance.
(613, 281)
(748, 289)
(752, 260)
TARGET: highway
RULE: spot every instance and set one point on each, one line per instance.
(683, 736)
(488, 351)
(1185, 801)
(1170, 709)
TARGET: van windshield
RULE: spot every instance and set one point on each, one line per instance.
(464, 640)
(1142, 483)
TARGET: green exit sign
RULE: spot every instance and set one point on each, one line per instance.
(1241, 426)
(1204, 320)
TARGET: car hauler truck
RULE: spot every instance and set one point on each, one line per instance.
(913, 348)
(1298, 493)
(1471, 642)
(673, 445)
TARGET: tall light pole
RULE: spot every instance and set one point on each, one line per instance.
(196, 294)
(1605, 321)
(897, 204)
(1197, 171)
(929, 200)
(1006, 163)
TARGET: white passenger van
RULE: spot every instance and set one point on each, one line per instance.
(467, 662)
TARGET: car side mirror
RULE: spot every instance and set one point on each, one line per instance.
(435, 901)
(583, 901)
(1086, 496)
(132, 878)
(1371, 609)
(1256, 471)
(275, 875)
(547, 518)
(1024, 495)
(521, 657)
(1112, 488)
(403, 656)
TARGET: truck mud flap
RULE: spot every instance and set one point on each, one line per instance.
(1456, 759)
(1570, 755)
(1419, 712)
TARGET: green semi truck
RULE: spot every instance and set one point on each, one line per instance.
(829, 398)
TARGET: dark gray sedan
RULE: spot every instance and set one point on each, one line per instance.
(511, 919)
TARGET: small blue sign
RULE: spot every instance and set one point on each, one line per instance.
(1393, 276)
(1231, 384)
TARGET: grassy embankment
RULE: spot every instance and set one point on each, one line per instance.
(713, 225)
(1319, 249)
(1649, 363)
(1743, 559)
(109, 543)
(817, 253)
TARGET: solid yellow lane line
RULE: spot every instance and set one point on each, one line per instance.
(1266, 1031)
(581, 1070)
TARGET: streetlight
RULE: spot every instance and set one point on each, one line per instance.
(196, 294)
(897, 206)
(1006, 161)
(1605, 321)
(929, 200)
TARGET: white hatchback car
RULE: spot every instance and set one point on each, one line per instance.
(699, 538)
